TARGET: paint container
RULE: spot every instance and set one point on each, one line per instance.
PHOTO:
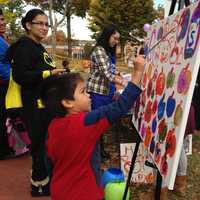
(112, 175)
(115, 191)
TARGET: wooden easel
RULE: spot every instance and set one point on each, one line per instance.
(138, 139)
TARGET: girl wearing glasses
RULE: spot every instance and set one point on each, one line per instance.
(30, 65)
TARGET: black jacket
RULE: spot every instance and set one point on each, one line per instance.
(28, 61)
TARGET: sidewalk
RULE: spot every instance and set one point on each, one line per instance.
(15, 179)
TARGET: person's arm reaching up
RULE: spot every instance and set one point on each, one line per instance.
(117, 109)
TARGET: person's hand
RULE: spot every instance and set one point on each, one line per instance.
(57, 71)
(117, 73)
(138, 69)
(139, 63)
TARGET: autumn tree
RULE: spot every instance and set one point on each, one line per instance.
(13, 11)
(74, 7)
(129, 16)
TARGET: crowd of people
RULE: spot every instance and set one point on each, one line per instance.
(59, 107)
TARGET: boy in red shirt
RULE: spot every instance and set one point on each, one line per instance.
(75, 129)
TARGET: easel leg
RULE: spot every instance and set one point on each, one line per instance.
(131, 168)
(172, 7)
(158, 180)
(187, 3)
(158, 186)
(180, 4)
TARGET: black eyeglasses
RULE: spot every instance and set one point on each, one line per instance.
(41, 24)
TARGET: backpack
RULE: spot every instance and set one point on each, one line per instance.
(18, 139)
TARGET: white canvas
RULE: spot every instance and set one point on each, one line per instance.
(160, 114)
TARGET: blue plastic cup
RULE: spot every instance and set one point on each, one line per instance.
(112, 175)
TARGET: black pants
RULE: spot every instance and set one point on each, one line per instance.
(196, 102)
(37, 122)
(4, 147)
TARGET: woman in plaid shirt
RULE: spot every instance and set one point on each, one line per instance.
(102, 80)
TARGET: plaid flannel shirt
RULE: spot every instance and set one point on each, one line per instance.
(102, 72)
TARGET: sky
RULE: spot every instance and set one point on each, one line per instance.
(157, 2)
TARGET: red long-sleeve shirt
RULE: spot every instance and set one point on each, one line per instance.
(70, 145)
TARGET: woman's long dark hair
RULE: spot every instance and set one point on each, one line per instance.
(103, 39)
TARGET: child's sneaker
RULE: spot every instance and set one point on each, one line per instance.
(40, 188)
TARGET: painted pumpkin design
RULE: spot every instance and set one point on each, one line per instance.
(164, 51)
(147, 114)
(149, 88)
(161, 108)
(184, 80)
(143, 130)
(154, 107)
(170, 143)
(143, 98)
(152, 145)
(160, 83)
(170, 78)
(162, 130)
(154, 125)
(171, 104)
(174, 55)
(178, 114)
(148, 137)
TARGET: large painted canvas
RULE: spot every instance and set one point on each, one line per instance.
(172, 63)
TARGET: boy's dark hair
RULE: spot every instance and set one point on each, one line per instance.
(57, 88)
(30, 16)
(103, 39)
(1, 11)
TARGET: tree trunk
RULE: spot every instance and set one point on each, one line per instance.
(53, 29)
(69, 40)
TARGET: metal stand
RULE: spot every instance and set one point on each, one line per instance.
(180, 5)
(159, 177)
(138, 140)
